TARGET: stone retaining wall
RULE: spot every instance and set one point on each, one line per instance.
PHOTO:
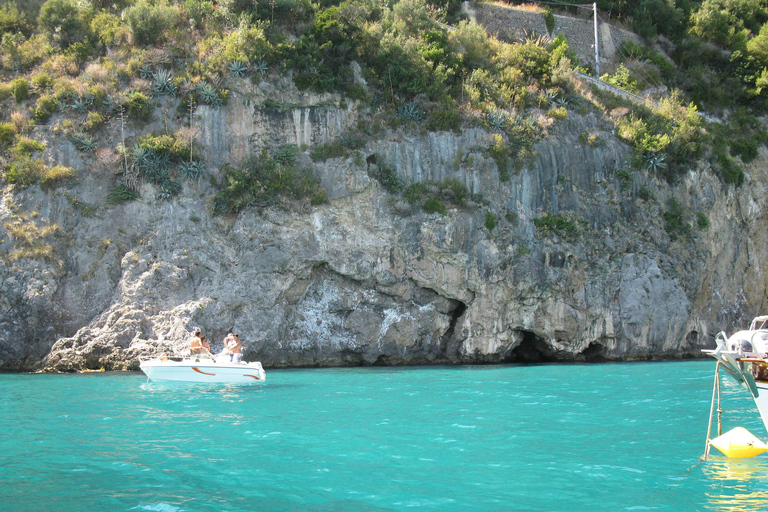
(510, 24)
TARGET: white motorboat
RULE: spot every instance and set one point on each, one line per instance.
(744, 356)
(202, 369)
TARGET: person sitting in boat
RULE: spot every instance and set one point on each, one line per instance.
(199, 346)
(225, 344)
(235, 347)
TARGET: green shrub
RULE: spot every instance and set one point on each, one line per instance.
(702, 221)
(646, 194)
(260, 182)
(320, 197)
(25, 171)
(42, 82)
(490, 220)
(120, 194)
(25, 147)
(149, 24)
(674, 219)
(444, 118)
(327, 150)
(139, 106)
(200, 11)
(499, 151)
(12, 20)
(107, 28)
(63, 22)
(744, 148)
(56, 175)
(416, 193)
(454, 191)
(558, 113)
(20, 89)
(434, 205)
(549, 21)
(621, 79)
(7, 134)
(94, 121)
(387, 176)
(45, 106)
(556, 224)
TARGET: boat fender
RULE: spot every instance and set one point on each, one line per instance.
(739, 443)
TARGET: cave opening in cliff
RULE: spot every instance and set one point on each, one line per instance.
(595, 352)
(533, 349)
(456, 312)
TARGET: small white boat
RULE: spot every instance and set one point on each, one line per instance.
(744, 356)
(193, 369)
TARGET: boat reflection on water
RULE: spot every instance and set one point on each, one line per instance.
(733, 482)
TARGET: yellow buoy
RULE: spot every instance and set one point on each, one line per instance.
(739, 443)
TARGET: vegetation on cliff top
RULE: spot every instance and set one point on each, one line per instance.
(73, 66)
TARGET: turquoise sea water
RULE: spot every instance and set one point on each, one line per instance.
(489, 438)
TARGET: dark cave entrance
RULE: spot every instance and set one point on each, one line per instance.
(456, 314)
(533, 349)
(595, 352)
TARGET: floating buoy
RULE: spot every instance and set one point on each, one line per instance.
(739, 443)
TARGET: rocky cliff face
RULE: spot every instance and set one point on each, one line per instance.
(364, 280)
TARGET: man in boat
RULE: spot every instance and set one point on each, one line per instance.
(199, 346)
(234, 347)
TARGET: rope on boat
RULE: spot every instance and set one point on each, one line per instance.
(715, 392)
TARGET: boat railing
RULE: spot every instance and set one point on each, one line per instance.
(762, 320)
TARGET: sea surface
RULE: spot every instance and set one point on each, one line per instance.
(598, 437)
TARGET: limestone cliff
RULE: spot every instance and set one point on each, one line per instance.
(364, 280)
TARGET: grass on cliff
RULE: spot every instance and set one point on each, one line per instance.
(267, 180)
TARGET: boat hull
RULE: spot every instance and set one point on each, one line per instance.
(188, 370)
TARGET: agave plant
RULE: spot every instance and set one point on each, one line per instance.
(556, 98)
(410, 112)
(497, 119)
(262, 67)
(655, 161)
(83, 142)
(192, 170)
(238, 68)
(527, 122)
(79, 105)
(145, 71)
(156, 173)
(535, 39)
(208, 94)
(153, 165)
(141, 155)
(162, 83)
(168, 190)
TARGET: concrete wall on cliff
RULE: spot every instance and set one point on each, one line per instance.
(367, 280)
(515, 25)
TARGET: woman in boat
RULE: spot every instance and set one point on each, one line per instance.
(199, 345)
